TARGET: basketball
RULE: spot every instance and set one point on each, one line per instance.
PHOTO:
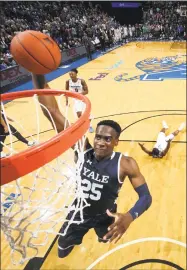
(35, 51)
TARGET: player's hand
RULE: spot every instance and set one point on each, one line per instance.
(119, 227)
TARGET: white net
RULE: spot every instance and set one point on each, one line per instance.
(35, 206)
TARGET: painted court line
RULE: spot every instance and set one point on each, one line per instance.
(141, 240)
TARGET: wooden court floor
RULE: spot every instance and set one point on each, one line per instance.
(137, 85)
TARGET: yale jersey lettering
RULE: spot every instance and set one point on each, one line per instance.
(100, 182)
(75, 86)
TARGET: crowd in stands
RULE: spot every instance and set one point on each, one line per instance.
(163, 20)
(67, 23)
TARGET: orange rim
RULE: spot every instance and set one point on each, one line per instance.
(20, 164)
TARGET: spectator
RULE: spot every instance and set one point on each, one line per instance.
(88, 44)
(67, 23)
(3, 65)
(164, 19)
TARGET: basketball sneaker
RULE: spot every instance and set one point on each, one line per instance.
(3, 155)
(164, 124)
(31, 143)
(181, 127)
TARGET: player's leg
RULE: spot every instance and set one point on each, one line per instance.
(18, 135)
(79, 114)
(165, 127)
(91, 130)
(161, 140)
(74, 236)
(2, 139)
(79, 108)
(161, 135)
(102, 225)
(171, 136)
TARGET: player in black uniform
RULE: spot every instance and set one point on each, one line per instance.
(5, 132)
(102, 175)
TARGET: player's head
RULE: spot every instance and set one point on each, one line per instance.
(155, 153)
(73, 73)
(106, 138)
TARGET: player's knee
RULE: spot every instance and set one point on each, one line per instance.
(64, 246)
(64, 252)
(64, 242)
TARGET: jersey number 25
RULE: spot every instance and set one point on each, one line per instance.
(91, 190)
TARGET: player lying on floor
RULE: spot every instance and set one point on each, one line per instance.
(163, 142)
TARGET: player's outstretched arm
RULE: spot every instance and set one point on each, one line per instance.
(145, 149)
(52, 105)
(122, 221)
(49, 102)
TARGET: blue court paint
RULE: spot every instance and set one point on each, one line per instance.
(11, 198)
(165, 68)
(173, 74)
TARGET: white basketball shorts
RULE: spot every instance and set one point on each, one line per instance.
(79, 106)
(162, 141)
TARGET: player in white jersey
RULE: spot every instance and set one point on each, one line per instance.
(75, 84)
(162, 145)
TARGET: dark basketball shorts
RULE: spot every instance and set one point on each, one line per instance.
(75, 232)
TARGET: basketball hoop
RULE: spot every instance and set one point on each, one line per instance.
(40, 184)
(31, 159)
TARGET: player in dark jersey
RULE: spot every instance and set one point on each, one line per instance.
(4, 132)
(103, 174)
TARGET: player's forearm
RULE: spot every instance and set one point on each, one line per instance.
(144, 202)
(145, 150)
(85, 92)
(50, 103)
